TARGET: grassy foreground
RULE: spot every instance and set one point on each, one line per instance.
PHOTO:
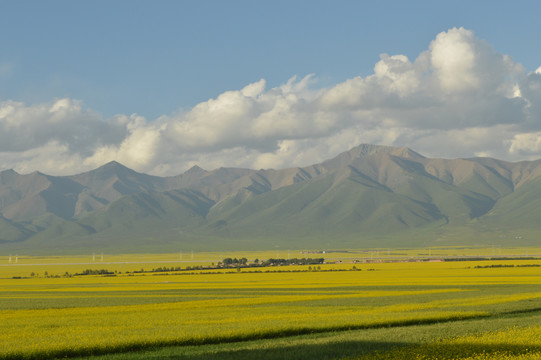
(440, 310)
(449, 340)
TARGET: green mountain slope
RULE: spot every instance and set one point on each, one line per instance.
(180, 208)
(323, 207)
(518, 214)
(12, 232)
(368, 196)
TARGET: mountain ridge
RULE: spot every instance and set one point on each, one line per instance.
(371, 195)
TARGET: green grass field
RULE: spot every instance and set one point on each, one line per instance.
(404, 310)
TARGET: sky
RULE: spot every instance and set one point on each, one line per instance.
(161, 86)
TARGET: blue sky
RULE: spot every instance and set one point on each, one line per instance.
(131, 74)
(152, 58)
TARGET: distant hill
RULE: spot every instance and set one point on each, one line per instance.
(370, 196)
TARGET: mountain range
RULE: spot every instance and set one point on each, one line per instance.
(370, 196)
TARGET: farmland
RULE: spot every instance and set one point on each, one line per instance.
(401, 310)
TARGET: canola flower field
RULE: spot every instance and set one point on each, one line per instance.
(405, 310)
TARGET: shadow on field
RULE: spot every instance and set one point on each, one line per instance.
(350, 350)
(293, 352)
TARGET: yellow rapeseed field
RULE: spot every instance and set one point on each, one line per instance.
(66, 316)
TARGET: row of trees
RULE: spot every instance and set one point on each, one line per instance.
(229, 262)
(235, 261)
(95, 272)
(294, 261)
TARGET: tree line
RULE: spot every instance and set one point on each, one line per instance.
(229, 262)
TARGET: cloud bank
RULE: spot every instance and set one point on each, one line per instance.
(459, 98)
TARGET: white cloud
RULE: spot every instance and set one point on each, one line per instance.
(453, 59)
(255, 89)
(462, 63)
(138, 150)
(459, 98)
(64, 121)
(397, 74)
(526, 143)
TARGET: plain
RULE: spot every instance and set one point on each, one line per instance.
(466, 309)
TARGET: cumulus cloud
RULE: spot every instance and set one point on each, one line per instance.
(525, 143)
(458, 98)
(64, 121)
